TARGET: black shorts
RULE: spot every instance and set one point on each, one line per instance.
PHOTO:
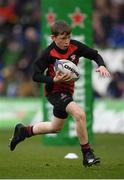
(60, 100)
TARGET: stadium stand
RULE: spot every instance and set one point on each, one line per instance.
(20, 42)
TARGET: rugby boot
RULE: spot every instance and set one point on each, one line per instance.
(90, 159)
(18, 136)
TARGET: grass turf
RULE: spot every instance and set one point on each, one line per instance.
(32, 159)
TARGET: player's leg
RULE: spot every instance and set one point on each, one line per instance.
(59, 101)
(21, 132)
(54, 126)
(79, 116)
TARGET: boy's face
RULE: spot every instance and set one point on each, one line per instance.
(62, 40)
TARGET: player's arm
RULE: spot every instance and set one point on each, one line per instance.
(40, 65)
(92, 54)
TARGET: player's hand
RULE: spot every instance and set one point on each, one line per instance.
(60, 77)
(103, 71)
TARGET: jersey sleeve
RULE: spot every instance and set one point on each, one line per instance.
(40, 65)
(92, 54)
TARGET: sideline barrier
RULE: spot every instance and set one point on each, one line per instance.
(14, 110)
(108, 114)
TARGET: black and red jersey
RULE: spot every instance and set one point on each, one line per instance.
(44, 64)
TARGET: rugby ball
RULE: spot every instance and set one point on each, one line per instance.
(66, 66)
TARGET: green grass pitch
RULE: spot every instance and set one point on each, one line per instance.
(32, 159)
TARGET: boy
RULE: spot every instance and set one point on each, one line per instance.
(59, 89)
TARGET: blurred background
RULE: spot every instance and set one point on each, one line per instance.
(21, 101)
(20, 36)
(20, 43)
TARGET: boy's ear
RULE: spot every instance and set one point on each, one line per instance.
(53, 37)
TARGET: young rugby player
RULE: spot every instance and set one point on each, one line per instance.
(59, 89)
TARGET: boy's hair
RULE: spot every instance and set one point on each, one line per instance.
(60, 27)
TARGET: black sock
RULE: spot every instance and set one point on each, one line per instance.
(85, 148)
(27, 131)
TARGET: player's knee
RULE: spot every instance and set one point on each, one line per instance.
(80, 116)
(56, 129)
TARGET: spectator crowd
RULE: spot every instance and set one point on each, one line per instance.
(20, 42)
(108, 29)
(108, 23)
